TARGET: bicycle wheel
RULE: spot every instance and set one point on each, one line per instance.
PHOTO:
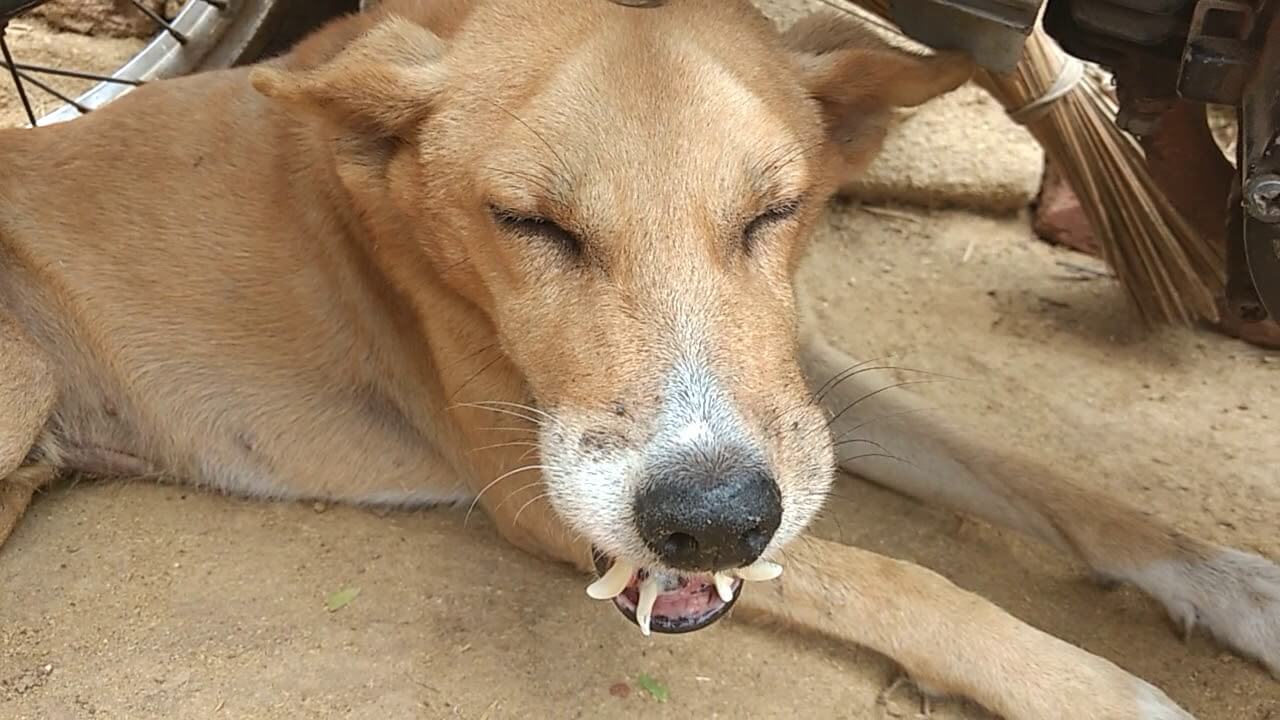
(201, 35)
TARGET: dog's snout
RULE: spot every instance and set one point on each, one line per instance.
(703, 522)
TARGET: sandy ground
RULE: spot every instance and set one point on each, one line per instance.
(131, 600)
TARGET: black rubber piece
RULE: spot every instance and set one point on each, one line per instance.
(11, 8)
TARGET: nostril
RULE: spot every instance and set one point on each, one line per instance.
(756, 539)
(679, 545)
(708, 521)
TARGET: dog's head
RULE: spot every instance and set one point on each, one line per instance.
(626, 192)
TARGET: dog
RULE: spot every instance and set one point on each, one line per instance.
(442, 245)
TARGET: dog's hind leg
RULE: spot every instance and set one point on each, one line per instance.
(27, 396)
(1234, 594)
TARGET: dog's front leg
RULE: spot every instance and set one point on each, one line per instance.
(949, 640)
(891, 439)
(27, 396)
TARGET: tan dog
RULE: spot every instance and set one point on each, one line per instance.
(538, 255)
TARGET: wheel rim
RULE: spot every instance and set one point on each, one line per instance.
(195, 39)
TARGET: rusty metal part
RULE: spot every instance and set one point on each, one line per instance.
(1262, 198)
(1217, 59)
(1260, 168)
(1242, 299)
(1140, 41)
(1262, 249)
(1147, 89)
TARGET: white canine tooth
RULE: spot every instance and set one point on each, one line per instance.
(644, 608)
(724, 586)
(761, 571)
(612, 583)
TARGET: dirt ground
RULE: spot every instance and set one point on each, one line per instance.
(131, 600)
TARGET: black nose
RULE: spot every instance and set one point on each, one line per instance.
(700, 521)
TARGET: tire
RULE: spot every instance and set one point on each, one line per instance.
(245, 31)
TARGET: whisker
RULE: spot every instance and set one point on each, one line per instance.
(497, 480)
(559, 158)
(515, 521)
(878, 418)
(504, 411)
(513, 443)
(887, 456)
(470, 356)
(840, 377)
(825, 515)
(513, 493)
(856, 370)
(518, 406)
(483, 368)
(873, 393)
(531, 431)
(855, 441)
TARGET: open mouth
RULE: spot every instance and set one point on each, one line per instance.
(670, 603)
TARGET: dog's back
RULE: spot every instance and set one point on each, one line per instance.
(137, 259)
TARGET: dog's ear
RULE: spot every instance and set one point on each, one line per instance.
(383, 81)
(858, 78)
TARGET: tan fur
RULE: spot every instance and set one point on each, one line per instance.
(300, 292)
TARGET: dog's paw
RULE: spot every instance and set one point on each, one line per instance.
(1234, 595)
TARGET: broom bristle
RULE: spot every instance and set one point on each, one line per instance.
(1169, 271)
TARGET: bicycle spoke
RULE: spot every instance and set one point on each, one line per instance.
(45, 70)
(159, 20)
(53, 91)
(13, 73)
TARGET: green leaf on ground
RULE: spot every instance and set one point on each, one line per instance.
(654, 687)
(341, 599)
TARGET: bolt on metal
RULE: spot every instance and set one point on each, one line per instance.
(1262, 198)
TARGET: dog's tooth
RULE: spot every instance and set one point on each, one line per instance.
(612, 583)
(644, 607)
(760, 571)
(724, 586)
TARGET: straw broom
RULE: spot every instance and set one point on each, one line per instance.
(1167, 269)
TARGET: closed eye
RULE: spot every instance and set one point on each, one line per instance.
(774, 214)
(537, 228)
